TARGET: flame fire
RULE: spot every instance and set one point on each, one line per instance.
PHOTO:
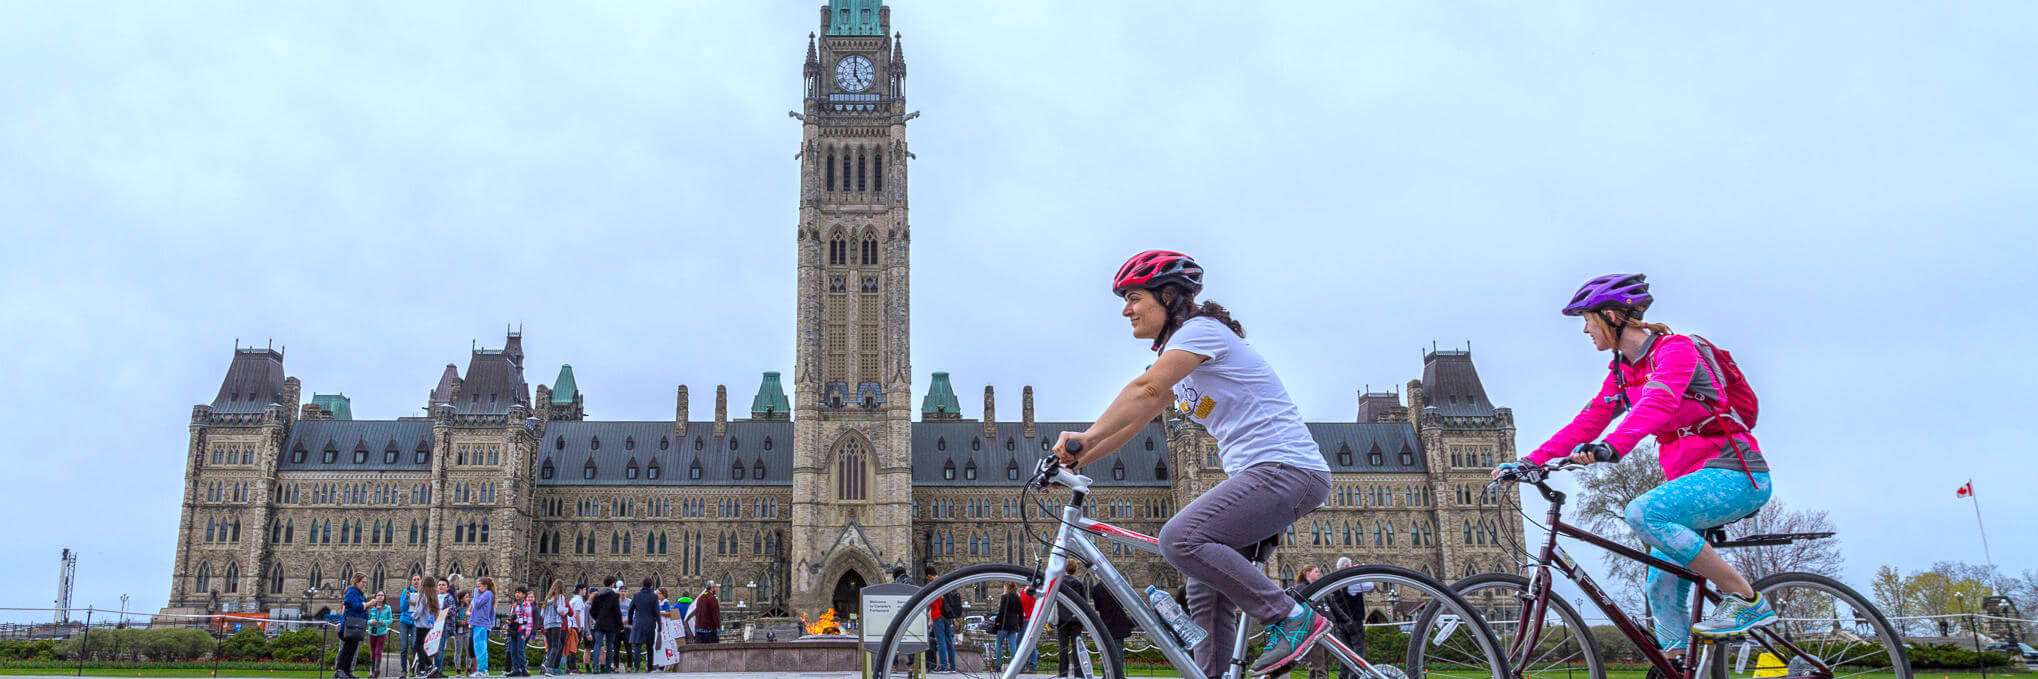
(824, 625)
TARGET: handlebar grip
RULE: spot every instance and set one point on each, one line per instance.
(1074, 446)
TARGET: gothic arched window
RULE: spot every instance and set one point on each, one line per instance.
(849, 470)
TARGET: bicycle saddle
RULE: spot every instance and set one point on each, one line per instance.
(1717, 537)
(1259, 552)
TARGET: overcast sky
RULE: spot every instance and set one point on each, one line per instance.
(1842, 193)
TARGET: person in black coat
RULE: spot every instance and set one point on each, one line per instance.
(1068, 625)
(1116, 623)
(1011, 623)
(606, 614)
(643, 626)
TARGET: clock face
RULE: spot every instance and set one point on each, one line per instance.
(854, 73)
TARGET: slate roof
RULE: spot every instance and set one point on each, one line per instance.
(570, 445)
(253, 381)
(1451, 384)
(494, 382)
(1362, 438)
(346, 436)
(936, 444)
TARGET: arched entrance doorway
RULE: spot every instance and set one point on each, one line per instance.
(848, 597)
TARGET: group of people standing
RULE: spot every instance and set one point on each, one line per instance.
(442, 625)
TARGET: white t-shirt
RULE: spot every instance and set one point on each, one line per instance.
(1237, 396)
(579, 612)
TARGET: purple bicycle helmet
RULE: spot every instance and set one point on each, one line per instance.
(1617, 290)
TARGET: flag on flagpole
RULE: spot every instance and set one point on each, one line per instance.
(1965, 490)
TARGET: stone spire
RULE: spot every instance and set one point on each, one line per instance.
(990, 413)
(1026, 412)
(679, 415)
(721, 410)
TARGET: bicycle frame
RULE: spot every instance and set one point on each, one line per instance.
(1530, 621)
(1072, 537)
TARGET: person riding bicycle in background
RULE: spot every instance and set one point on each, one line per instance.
(1276, 473)
(1713, 475)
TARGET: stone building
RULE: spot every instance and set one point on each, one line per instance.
(818, 489)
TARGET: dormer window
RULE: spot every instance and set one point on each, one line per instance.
(587, 470)
(1118, 470)
(664, 443)
(948, 470)
(331, 453)
(1160, 470)
(651, 470)
(734, 444)
(546, 471)
(1012, 470)
(1344, 455)
(559, 443)
(594, 443)
(1149, 443)
(757, 470)
(1011, 445)
(969, 471)
(423, 454)
(697, 444)
(940, 443)
(767, 443)
(976, 443)
(390, 453)
(693, 471)
(736, 470)
(629, 443)
(297, 454)
(1407, 456)
(630, 470)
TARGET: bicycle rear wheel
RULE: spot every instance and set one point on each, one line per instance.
(1094, 652)
(1386, 608)
(1824, 630)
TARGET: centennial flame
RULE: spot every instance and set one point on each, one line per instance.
(825, 624)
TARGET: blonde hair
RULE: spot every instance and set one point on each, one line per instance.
(1598, 319)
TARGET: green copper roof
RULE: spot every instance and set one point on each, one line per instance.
(854, 17)
(337, 404)
(940, 397)
(770, 397)
(563, 389)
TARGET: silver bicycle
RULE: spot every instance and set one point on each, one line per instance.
(1458, 644)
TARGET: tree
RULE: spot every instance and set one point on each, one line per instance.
(1892, 594)
(1807, 556)
(1603, 508)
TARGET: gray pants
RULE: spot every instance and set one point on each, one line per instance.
(1203, 540)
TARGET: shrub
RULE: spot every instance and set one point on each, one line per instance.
(247, 644)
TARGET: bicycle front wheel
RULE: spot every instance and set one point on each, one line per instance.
(1564, 645)
(1824, 630)
(1092, 653)
(1382, 612)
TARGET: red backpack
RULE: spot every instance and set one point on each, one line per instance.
(1733, 403)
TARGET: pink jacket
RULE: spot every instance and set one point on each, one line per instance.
(1657, 387)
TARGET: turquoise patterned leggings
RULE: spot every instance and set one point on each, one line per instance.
(1669, 519)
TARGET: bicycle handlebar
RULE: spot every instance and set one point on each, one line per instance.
(1050, 471)
(1535, 473)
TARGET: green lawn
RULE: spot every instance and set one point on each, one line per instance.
(130, 672)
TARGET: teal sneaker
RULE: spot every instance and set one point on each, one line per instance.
(1288, 639)
(1735, 616)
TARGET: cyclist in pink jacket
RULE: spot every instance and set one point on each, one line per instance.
(1713, 475)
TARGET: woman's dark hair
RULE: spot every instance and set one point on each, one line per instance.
(1181, 306)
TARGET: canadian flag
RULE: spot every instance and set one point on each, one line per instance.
(1965, 490)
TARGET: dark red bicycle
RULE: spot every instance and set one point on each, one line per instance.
(1824, 630)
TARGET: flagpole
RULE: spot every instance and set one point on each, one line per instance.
(1977, 524)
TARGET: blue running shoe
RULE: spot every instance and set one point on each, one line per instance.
(1735, 616)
